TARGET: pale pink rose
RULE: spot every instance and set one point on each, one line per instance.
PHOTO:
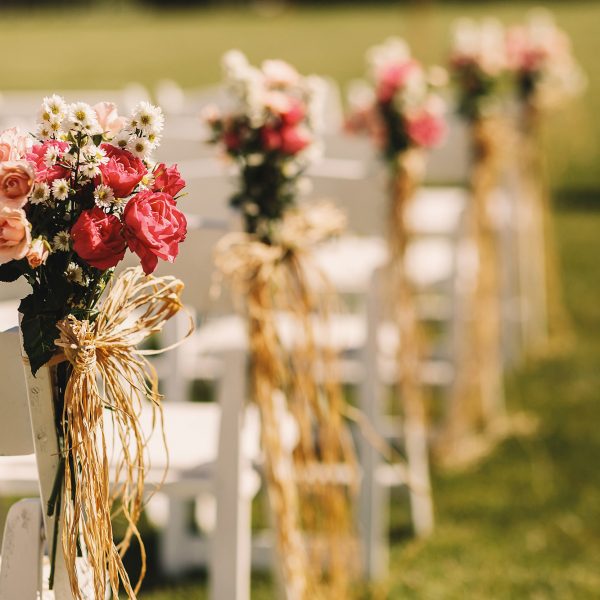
(278, 73)
(38, 253)
(108, 118)
(13, 144)
(15, 234)
(16, 182)
(278, 102)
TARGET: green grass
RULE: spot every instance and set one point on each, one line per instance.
(525, 523)
(106, 48)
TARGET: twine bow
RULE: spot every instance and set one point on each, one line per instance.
(105, 350)
(275, 278)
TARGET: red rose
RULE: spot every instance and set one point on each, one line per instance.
(42, 172)
(232, 140)
(168, 179)
(98, 238)
(293, 139)
(271, 138)
(154, 228)
(122, 172)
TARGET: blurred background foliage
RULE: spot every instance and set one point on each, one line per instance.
(108, 43)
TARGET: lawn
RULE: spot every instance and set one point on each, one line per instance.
(525, 523)
(109, 47)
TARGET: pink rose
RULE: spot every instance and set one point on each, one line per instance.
(15, 234)
(37, 157)
(122, 172)
(108, 118)
(154, 228)
(16, 182)
(294, 139)
(38, 253)
(426, 129)
(394, 77)
(98, 238)
(168, 179)
(294, 114)
(13, 145)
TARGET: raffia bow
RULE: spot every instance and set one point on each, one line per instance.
(275, 278)
(105, 350)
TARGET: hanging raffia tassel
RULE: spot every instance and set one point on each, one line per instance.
(307, 494)
(557, 329)
(135, 307)
(476, 401)
(408, 173)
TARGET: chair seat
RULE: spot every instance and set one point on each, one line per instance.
(350, 261)
(191, 433)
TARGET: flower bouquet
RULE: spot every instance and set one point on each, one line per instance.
(545, 76)
(73, 200)
(271, 135)
(405, 114)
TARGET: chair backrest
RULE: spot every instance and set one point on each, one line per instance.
(15, 427)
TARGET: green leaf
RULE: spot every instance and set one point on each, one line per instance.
(11, 271)
(39, 332)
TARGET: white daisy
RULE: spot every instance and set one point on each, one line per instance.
(55, 106)
(60, 189)
(94, 154)
(83, 118)
(138, 146)
(148, 118)
(44, 132)
(104, 196)
(51, 156)
(121, 139)
(89, 170)
(74, 273)
(62, 241)
(40, 193)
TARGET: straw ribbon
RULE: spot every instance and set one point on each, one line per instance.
(277, 278)
(105, 350)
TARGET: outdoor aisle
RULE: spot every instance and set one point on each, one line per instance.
(526, 522)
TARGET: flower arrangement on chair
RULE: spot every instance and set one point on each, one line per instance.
(404, 112)
(72, 202)
(271, 135)
(545, 76)
(478, 66)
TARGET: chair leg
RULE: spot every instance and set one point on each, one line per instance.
(231, 541)
(421, 502)
(22, 548)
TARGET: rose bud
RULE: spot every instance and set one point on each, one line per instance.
(16, 183)
(168, 179)
(15, 236)
(98, 238)
(154, 228)
(122, 172)
(38, 253)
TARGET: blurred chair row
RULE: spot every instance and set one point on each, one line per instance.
(214, 447)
